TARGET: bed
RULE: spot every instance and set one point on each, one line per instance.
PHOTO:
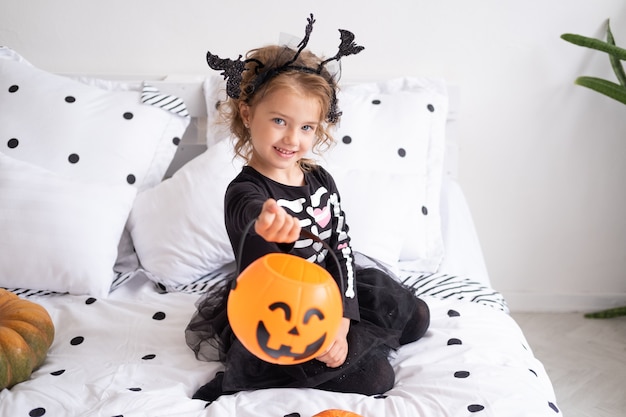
(111, 219)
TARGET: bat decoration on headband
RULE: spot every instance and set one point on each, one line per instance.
(346, 47)
(232, 69)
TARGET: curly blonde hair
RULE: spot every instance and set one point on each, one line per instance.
(298, 77)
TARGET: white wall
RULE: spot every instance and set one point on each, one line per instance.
(543, 162)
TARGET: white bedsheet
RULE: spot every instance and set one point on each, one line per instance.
(126, 356)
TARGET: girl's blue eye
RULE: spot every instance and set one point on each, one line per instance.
(279, 121)
(307, 128)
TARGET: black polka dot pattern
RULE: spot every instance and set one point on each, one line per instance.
(474, 408)
(462, 374)
(13, 143)
(77, 340)
(159, 315)
(37, 412)
(95, 132)
(75, 158)
(467, 375)
(401, 151)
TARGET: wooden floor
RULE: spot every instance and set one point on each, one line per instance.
(585, 359)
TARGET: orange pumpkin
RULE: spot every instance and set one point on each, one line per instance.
(26, 333)
(336, 413)
(284, 309)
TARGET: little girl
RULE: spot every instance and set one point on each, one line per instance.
(282, 103)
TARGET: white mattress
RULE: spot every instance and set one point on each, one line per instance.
(126, 355)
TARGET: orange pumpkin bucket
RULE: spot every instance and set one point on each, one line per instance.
(284, 309)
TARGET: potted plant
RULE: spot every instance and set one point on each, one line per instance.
(616, 56)
(609, 89)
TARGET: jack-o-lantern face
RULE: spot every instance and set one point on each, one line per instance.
(284, 309)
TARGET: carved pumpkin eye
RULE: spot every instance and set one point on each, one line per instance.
(312, 312)
(284, 307)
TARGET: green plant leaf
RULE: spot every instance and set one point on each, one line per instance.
(607, 314)
(615, 63)
(597, 44)
(608, 88)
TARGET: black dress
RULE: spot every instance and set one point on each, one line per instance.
(383, 313)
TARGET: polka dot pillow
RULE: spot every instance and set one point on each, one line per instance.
(100, 133)
(83, 131)
(388, 165)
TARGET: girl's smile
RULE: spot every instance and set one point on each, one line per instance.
(284, 152)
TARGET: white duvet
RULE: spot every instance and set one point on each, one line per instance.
(126, 356)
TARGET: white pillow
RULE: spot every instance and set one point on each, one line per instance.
(88, 129)
(58, 233)
(368, 196)
(395, 130)
(81, 130)
(178, 226)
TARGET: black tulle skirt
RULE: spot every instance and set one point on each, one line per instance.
(391, 315)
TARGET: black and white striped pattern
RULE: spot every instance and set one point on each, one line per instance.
(25, 292)
(442, 286)
(118, 281)
(446, 286)
(437, 285)
(152, 96)
(200, 285)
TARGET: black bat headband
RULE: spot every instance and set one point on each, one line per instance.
(232, 69)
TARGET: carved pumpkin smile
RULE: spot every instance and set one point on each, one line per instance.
(263, 337)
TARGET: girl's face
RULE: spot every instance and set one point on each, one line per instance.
(282, 129)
